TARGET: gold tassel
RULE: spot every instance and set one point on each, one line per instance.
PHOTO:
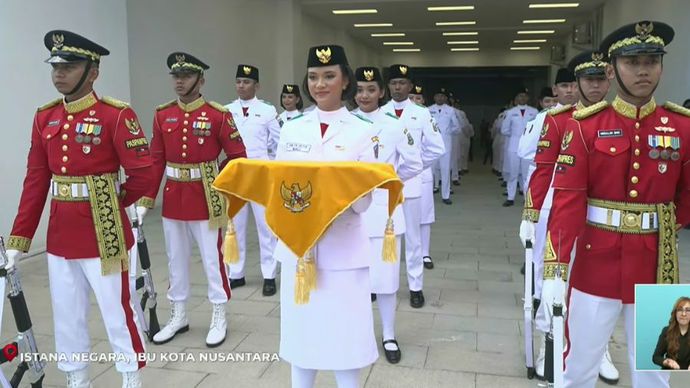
(389, 243)
(305, 280)
(231, 253)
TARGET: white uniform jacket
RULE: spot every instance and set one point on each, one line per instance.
(285, 116)
(259, 129)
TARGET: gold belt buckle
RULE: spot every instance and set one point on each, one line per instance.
(632, 221)
(185, 174)
(64, 190)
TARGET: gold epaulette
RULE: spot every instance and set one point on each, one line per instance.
(366, 120)
(167, 104)
(49, 104)
(590, 110)
(218, 107)
(560, 109)
(114, 102)
(673, 107)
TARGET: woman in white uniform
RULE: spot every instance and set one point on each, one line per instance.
(291, 102)
(390, 143)
(335, 329)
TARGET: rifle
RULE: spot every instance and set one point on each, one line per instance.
(528, 312)
(145, 281)
(25, 341)
(553, 365)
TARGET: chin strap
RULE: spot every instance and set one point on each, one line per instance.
(89, 64)
(614, 62)
(582, 94)
(198, 77)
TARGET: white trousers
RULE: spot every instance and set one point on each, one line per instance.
(590, 323)
(497, 152)
(514, 169)
(465, 144)
(426, 239)
(455, 156)
(304, 378)
(442, 168)
(178, 245)
(70, 281)
(413, 245)
(267, 242)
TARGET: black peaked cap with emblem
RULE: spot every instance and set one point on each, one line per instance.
(326, 55)
(641, 38)
(368, 74)
(588, 63)
(443, 91)
(564, 75)
(180, 62)
(417, 89)
(247, 71)
(399, 71)
(291, 89)
(66, 46)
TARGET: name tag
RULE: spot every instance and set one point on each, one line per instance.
(298, 147)
(53, 123)
(171, 120)
(610, 133)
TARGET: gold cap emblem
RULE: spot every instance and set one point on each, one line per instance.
(180, 58)
(403, 70)
(247, 70)
(324, 55)
(58, 41)
(368, 75)
(597, 57)
(288, 88)
(643, 30)
(418, 89)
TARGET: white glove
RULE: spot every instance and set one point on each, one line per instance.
(527, 232)
(552, 290)
(141, 213)
(13, 256)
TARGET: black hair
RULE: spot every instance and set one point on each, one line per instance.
(348, 93)
(384, 99)
(300, 104)
(686, 103)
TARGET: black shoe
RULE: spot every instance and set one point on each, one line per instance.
(416, 299)
(456, 183)
(436, 189)
(451, 191)
(522, 270)
(393, 356)
(504, 184)
(447, 201)
(428, 264)
(520, 192)
(234, 283)
(505, 193)
(269, 287)
(508, 202)
(373, 297)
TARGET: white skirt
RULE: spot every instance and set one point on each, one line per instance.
(385, 277)
(428, 210)
(335, 330)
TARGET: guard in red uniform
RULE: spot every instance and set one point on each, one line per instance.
(188, 135)
(78, 144)
(621, 189)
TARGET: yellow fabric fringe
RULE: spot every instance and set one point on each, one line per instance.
(231, 253)
(390, 255)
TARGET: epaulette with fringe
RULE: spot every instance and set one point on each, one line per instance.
(590, 110)
(560, 109)
(167, 104)
(673, 107)
(49, 104)
(218, 107)
(114, 102)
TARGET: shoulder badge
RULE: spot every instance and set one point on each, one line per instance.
(560, 109)
(389, 114)
(590, 110)
(114, 102)
(167, 104)
(567, 138)
(366, 120)
(677, 108)
(49, 104)
(218, 107)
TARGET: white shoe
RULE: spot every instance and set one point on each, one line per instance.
(219, 326)
(176, 324)
(79, 379)
(131, 380)
(607, 371)
(541, 358)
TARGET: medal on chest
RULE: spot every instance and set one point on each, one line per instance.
(88, 133)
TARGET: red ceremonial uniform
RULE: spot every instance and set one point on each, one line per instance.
(545, 159)
(115, 139)
(189, 134)
(617, 155)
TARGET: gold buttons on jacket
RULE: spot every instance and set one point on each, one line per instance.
(70, 118)
(184, 130)
(637, 138)
(184, 138)
(63, 169)
(66, 126)
(184, 146)
(186, 115)
(64, 136)
(588, 246)
(65, 148)
(184, 154)
(634, 179)
(636, 166)
(48, 136)
(169, 129)
(633, 193)
(185, 122)
(65, 159)
(637, 152)
(637, 125)
(613, 150)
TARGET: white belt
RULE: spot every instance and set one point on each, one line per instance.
(73, 190)
(183, 173)
(622, 219)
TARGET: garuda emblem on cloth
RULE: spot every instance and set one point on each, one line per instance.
(296, 199)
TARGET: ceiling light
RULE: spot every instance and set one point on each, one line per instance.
(374, 25)
(353, 11)
(529, 41)
(464, 49)
(526, 48)
(542, 21)
(536, 32)
(451, 8)
(398, 43)
(463, 42)
(555, 5)
(466, 23)
(462, 33)
(408, 50)
(388, 35)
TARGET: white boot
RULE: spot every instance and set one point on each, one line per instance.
(216, 333)
(177, 324)
(607, 371)
(79, 379)
(541, 357)
(131, 380)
